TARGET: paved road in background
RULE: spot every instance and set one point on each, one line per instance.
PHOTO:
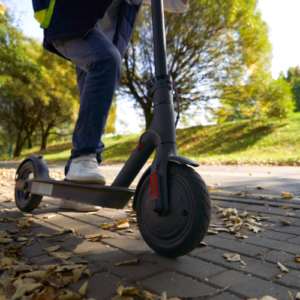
(203, 272)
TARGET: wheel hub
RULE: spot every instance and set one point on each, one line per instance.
(175, 222)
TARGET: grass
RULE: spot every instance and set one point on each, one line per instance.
(243, 142)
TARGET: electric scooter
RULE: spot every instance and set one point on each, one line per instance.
(171, 200)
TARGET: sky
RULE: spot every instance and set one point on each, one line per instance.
(282, 17)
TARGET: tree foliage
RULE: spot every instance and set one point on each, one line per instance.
(211, 46)
(38, 91)
(260, 96)
(293, 77)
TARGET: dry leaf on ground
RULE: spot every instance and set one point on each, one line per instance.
(298, 296)
(246, 214)
(240, 235)
(211, 231)
(82, 290)
(287, 195)
(232, 256)
(297, 258)
(128, 262)
(42, 235)
(282, 267)
(285, 222)
(51, 249)
(77, 273)
(49, 216)
(5, 240)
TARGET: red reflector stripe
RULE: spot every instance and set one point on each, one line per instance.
(153, 181)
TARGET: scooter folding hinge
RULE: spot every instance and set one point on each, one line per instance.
(156, 192)
(158, 84)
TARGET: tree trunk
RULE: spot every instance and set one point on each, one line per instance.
(45, 135)
(29, 142)
(44, 142)
(19, 144)
(148, 119)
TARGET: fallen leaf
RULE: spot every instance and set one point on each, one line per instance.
(82, 290)
(49, 216)
(245, 214)
(22, 239)
(91, 236)
(128, 262)
(5, 240)
(290, 214)
(22, 289)
(250, 174)
(297, 259)
(123, 226)
(298, 296)
(259, 187)
(285, 222)
(59, 233)
(202, 244)
(77, 273)
(41, 235)
(25, 214)
(212, 231)
(232, 256)
(60, 255)
(229, 211)
(240, 235)
(287, 195)
(282, 267)
(221, 229)
(51, 249)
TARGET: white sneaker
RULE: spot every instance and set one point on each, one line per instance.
(77, 206)
(85, 169)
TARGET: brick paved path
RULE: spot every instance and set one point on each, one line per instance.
(202, 272)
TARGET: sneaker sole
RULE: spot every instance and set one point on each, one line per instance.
(87, 180)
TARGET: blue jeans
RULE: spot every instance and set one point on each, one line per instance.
(98, 69)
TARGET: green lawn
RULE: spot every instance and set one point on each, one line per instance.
(252, 142)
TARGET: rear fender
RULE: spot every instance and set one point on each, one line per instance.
(40, 166)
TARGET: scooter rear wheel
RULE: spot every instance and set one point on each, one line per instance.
(186, 224)
(26, 201)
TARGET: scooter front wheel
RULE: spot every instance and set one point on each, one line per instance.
(185, 226)
(27, 201)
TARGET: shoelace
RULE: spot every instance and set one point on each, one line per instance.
(90, 164)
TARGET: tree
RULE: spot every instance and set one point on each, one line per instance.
(293, 77)
(259, 96)
(37, 88)
(213, 44)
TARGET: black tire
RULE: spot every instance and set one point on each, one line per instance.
(26, 201)
(189, 197)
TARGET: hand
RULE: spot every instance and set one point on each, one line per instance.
(185, 1)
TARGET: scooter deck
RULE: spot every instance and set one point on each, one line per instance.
(93, 194)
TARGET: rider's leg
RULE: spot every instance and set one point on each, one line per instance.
(99, 70)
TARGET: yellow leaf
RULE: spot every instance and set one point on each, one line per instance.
(128, 262)
(285, 222)
(287, 195)
(82, 290)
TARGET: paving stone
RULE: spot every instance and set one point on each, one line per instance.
(250, 287)
(267, 209)
(186, 265)
(35, 249)
(47, 260)
(201, 250)
(225, 204)
(295, 240)
(294, 230)
(116, 214)
(176, 285)
(276, 219)
(291, 279)
(90, 219)
(276, 256)
(101, 286)
(233, 198)
(235, 246)
(273, 244)
(253, 266)
(132, 273)
(65, 222)
(225, 296)
(276, 235)
(129, 245)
